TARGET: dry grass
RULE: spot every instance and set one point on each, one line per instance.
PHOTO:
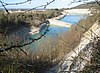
(73, 35)
(15, 61)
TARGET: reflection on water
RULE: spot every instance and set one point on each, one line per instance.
(73, 18)
(50, 37)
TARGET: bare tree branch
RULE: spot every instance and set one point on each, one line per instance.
(33, 40)
(98, 2)
(25, 44)
(5, 4)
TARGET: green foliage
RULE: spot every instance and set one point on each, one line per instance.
(16, 61)
(48, 56)
(8, 23)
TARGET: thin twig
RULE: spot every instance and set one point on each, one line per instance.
(25, 44)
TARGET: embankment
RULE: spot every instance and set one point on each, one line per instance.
(55, 21)
(77, 58)
(59, 23)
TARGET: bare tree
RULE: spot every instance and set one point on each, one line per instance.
(4, 4)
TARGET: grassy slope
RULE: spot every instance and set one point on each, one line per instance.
(9, 22)
(17, 62)
(74, 34)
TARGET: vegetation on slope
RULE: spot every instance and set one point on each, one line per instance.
(92, 4)
(78, 30)
(16, 61)
(94, 65)
(9, 22)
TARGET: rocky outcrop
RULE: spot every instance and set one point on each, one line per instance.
(77, 58)
(81, 55)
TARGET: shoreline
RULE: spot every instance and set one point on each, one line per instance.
(35, 30)
(78, 11)
(77, 51)
(60, 16)
(59, 23)
(56, 21)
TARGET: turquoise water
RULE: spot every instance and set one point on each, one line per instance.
(50, 37)
(72, 18)
(54, 31)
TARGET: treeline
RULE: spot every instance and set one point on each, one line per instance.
(8, 22)
(89, 5)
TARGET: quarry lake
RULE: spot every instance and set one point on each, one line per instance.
(54, 31)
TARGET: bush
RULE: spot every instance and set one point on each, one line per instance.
(9, 23)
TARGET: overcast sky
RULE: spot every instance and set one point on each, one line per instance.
(34, 3)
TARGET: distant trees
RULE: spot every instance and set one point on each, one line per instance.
(92, 4)
(14, 20)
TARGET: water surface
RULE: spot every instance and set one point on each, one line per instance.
(50, 37)
(72, 18)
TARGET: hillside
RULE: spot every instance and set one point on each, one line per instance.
(17, 19)
(87, 6)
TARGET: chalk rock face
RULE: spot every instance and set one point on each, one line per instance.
(77, 58)
(81, 55)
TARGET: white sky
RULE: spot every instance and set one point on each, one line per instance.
(34, 3)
